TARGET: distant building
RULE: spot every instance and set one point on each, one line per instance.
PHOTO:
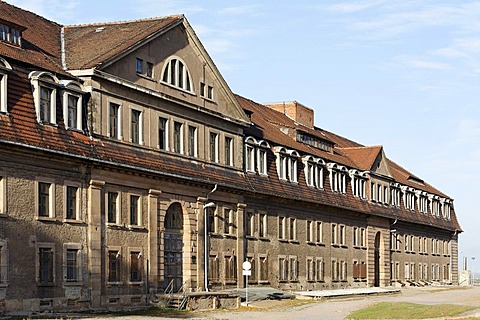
(121, 143)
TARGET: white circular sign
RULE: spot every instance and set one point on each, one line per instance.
(246, 265)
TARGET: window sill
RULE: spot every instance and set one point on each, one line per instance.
(215, 235)
(72, 283)
(48, 284)
(283, 240)
(263, 239)
(230, 282)
(114, 284)
(3, 284)
(263, 282)
(321, 244)
(208, 99)
(47, 219)
(250, 238)
(229, 236)
(3, 215)
(137, 228)
(143, 76)
(311, 243)
(178, 88)
(294, 241)
(73, 221)
(135, 283)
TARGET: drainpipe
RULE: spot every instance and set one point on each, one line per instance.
(206, 240)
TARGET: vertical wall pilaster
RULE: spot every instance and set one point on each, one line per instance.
(95, 241)
(240, 243)
(153, 241)
(201, 225)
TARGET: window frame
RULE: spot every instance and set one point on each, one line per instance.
(178, 145)
(137, 206)
(5, 69)
(40, 246)
(228, 151)
(118, 204)
(136, 127)
(77, 213)
(117, 250)
(116, 124)
(40, 81)
(177, 69)
(163, 133)
(3, 263)
(51, 199)
(141, 276)
(213, 146)
(78, 264)
(192, 141)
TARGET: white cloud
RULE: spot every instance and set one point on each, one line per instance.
(416, 63)
(239, 10)
(350, 7)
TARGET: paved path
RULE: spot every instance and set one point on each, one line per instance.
(333, 309)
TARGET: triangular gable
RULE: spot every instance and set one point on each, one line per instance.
(371, 159)
(163, 39)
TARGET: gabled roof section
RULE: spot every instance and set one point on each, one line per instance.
(368, 159)
(94, 45)
(41, 46)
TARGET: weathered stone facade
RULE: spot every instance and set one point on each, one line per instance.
(129, 167)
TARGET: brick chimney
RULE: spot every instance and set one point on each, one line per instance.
(295, 110)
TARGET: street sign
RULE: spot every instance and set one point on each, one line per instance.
(246, 265)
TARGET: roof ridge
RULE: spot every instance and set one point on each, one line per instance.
(124, 21)
(33, 13)
(362, 147)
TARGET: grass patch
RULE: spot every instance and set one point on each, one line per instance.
(405, 310)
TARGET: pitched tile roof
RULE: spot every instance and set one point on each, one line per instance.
(362, 157)
(40, 40)
(88, 46)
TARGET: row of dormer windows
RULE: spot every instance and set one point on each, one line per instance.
(184, 140)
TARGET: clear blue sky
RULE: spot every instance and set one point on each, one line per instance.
(403, 74)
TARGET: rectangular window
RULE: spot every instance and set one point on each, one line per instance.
(114, 121)
(44, 199)
(262, 161)
(213, 147)
(293, 268)
(178, 137)
(319, 232)
(202, 89)
(310, 269)
(227, 220)
(214, 269)
(162, 133)
(134, 210)
(72, 109)
(342, 235)
(45, 259)
(249, 158)
(112, 207)
(263, 268)
(212, 221)
(319, 269)
(45, 104)
(334, 233)
(250, 224)
(3, 262)
(114, 266)
(135, 267)
(139, 65)
(72, 265)
(192, 141)
(309, 231)
(72, 203)
(4, 32)
(228, 151)
(149, 69)
(262, 225)
(293, 229)
(282, 269)
(135, 126)
(231, 268)
(282, 226)
(210, 92)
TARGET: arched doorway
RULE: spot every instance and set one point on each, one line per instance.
(376, 281)
(173, 246)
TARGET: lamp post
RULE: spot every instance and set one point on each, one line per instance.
(205, 239)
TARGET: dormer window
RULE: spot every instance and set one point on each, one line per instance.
(435, 205)
(256, 155)
(44, 95)
(287, 164)
(338, 177)
(446, 208)
(395, 194)
(11, 34)
(422, 201)
(4, 70)
(176, 73)
(409, 198)
(359, 183)
(314, 172)
(72, 94)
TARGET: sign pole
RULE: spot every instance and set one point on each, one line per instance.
(247, 266)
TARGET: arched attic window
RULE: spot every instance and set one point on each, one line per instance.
(72, 99)
(314, 171)
(434, 205)
(293, 165)
(250, 144)
(359, 183)
(262, 148)
(422, 201)
(395, 194)
(175, 73)
(282, 158)
(44, 95)
(338, 177)
(5, 68)
(409, 197)
(446, 208)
